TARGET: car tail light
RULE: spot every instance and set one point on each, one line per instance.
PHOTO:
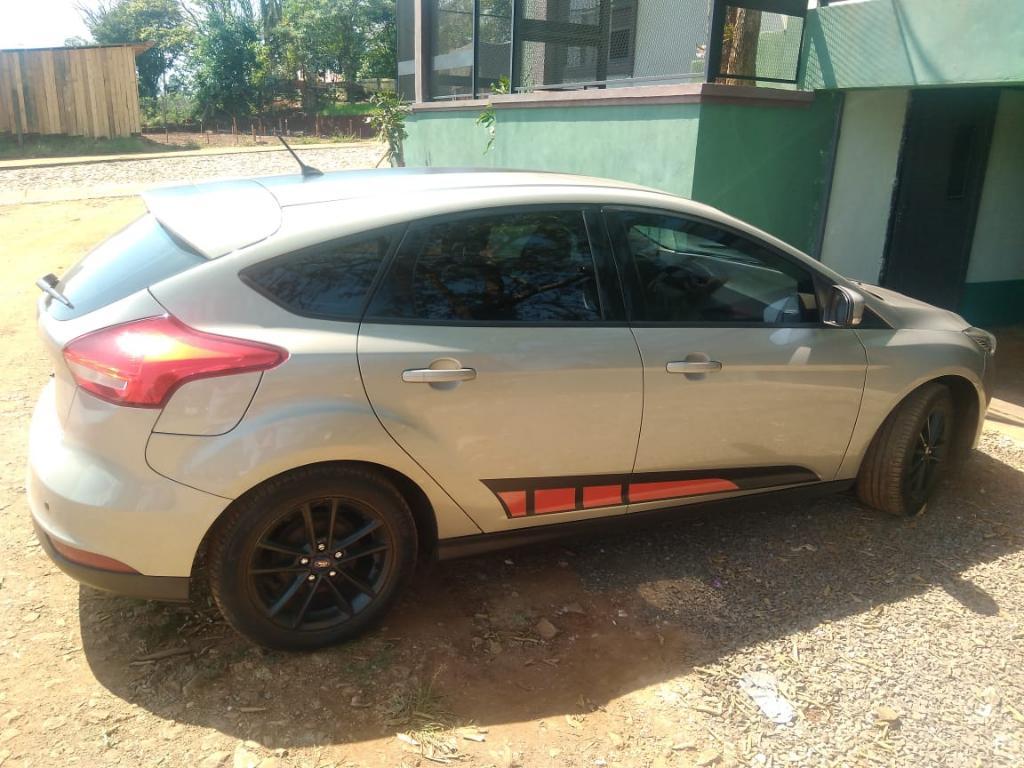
(142, 363)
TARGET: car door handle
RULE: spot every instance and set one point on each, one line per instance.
(693, 366)
(437, 375)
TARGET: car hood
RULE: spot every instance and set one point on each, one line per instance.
(902, 311)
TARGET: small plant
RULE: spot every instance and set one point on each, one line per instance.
(387, 117)
(489, 118)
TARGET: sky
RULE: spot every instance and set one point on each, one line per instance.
(39, 23)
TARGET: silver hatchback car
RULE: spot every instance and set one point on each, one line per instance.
(307, 384)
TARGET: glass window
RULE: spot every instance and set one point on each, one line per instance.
(140, 255)
(529, 267)
(690, 271)
(328, 280)
(451, 43)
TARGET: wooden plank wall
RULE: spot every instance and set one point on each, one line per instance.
(75, 91)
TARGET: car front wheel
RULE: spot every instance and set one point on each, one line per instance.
(910, 453)
(313, 557)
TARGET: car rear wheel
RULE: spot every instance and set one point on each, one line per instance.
(910, 453)
(313, 557)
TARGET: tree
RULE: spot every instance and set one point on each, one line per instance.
(160, 22)
(348, 38)
(230, 60)
(739, 46)
(381, 43)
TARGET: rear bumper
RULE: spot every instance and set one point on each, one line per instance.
(89, 488)
(166, 588)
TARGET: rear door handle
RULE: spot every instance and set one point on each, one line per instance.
(693, 366)
(437, 375)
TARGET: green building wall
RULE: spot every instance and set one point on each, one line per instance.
(766, 164)
(651, 145)
(885, 43)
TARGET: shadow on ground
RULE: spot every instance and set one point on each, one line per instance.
(644, 606)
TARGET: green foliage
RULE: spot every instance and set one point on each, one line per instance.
(489, 118)
(230, 60)
(388, 119)
(171, 108)
(160, 22)
(348, 38)
(358, 109)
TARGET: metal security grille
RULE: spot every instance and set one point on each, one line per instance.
(584, 43)
(451, 43)
(406, 21)
(473, 45)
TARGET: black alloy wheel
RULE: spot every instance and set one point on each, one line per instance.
(312, 557)
(910, 452)
(320, 564)
(926, 459)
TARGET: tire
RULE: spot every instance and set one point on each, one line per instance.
(910, 453)
(283, 581)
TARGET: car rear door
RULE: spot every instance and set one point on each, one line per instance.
(496, 353)
(745, 388)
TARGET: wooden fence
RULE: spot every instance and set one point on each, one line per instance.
(89, 91)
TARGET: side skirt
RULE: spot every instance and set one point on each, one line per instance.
(477, 544)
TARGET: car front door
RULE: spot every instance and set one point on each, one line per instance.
(745, 388)
(496, 353)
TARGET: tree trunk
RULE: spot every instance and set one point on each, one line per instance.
(739, 48)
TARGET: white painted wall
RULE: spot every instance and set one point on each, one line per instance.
(862, 185)
(998, 249)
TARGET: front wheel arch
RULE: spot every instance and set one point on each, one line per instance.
(875, 475)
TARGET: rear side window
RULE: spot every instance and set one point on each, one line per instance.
(140, 255)
(516, 267)
(329, 280)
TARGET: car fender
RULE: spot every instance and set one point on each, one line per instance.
(900, 361)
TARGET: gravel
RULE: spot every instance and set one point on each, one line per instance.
(128, 177)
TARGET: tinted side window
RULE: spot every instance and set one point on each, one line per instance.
(527, 267)
(691, 271)
(327, 280)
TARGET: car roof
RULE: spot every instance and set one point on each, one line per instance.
(219, 217)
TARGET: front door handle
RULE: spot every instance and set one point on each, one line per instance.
(693, 366)
(437, 375)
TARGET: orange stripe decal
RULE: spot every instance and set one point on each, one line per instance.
(602, 495)
(515, 502)
(677, 488)
(553, 500)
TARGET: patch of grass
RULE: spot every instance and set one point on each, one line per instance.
(332, 138)
(418, 703)
(346, 109)
(75, 146)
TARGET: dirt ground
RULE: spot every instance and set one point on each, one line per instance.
(898, 642)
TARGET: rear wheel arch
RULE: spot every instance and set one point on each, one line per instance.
(422, 510)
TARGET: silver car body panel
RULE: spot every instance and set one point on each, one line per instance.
(544, 402)
(90, 486)
(783, 396)
(144, 486)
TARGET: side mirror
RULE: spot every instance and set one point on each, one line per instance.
(844, 308)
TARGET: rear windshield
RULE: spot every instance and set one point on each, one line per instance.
(141, 254)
